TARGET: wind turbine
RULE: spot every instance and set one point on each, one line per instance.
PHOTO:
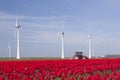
(18, 39)
(9, 50)
(61, 34)
(90, 46)
(62, 38)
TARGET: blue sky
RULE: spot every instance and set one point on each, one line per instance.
(41, 20)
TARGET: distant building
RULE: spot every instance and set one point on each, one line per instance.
(112, 56)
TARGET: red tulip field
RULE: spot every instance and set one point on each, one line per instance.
(90, 69)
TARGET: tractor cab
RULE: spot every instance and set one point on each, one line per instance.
(79, 55)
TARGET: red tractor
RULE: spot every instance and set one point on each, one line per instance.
(79, 55)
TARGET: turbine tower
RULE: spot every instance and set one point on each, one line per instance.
(62, 38)
(90, 46)
(18, 39)
(9, 50)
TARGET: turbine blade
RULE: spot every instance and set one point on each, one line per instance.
(16, 22)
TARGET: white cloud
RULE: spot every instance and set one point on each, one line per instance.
(9, 16)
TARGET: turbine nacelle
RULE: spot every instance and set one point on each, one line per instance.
(89, 37)
(62, 34)
(18, 26)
